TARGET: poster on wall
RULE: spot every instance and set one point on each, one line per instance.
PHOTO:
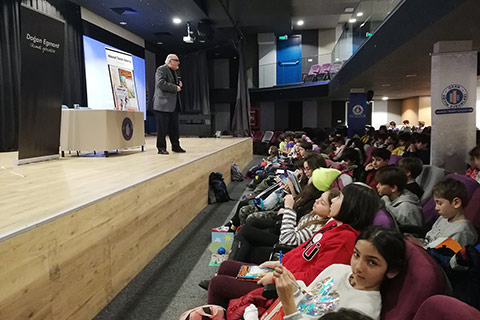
(120, 67)
(42, 39)
(357, 114)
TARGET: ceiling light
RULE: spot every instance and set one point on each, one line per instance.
(359, 14)
(159, 42)
(386, 85)
(384, 98)
(300, 22)
(310, 60)
(349, 10)
(177, 20)
(352, 20)
(410, 75)
(123, 23)
(337, 59)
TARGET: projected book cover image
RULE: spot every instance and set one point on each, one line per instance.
(122, 102)
(123, 78)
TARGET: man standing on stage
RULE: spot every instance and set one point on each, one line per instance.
(166, 104)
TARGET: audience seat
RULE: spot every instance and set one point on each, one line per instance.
(368, 155)
(428, 209)
(472, 211)
(311, 76)
(276, 138)
(394, 160)
(324, 71)
(440, 307)
(383, 218)
(257, 140)
(263, 146)
(427, 179)
(336, 66)
(421, 279)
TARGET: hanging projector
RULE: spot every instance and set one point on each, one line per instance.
(189, 38)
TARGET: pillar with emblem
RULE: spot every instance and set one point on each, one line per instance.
(453, 91)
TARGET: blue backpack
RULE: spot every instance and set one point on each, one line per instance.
(218, 189)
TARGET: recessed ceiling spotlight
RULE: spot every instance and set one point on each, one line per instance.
(410, 75)
(123, 23)
(384, 98)
(349, 10)
(300, 22)
(359, 14)
(352, 20)
(177, 20)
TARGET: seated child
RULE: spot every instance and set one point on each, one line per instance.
(419, 148)
(403, 142)
(450, 197)
(412, 167)
(289, 139)
(403, 205)
(474, 171)
(379, 255)
(380, 158)
(339, 144)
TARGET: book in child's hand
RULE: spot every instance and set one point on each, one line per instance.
(252, 273)
(445, 242)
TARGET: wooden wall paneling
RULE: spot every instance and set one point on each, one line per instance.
(70, 268)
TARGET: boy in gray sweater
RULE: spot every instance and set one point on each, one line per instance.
(403, 205)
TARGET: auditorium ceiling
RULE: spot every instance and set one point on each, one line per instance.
(394, 62)
(152, 19)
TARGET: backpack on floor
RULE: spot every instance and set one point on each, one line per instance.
(236, 173)
(218, 188)
(206, 312)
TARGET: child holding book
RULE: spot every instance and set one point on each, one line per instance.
(450, 197)
(379, 255)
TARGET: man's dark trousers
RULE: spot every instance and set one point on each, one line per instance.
(167, 123)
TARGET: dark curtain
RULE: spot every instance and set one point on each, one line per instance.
(241, 114)
(9, 74)
(194, 75)
(74, 83)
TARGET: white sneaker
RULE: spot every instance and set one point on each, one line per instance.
(221, 229)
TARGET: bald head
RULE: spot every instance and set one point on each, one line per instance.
(172, 61)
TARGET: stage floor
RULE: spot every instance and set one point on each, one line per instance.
(34, 194)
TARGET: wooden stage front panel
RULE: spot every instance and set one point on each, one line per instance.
(75, 231)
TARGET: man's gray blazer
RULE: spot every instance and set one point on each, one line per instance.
(165, 96)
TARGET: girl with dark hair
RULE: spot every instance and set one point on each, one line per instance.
(353, 210)
(379, 255)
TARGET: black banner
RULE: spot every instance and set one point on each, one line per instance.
(42, 42)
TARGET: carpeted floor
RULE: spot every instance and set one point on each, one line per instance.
(168, 285)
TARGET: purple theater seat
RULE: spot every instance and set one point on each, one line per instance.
(428, 209)
(383, 218)
(421, 279)
(257, 136)
(394, 160)
(368, 155)
(441, 307)
(472, 211)
(470, 183)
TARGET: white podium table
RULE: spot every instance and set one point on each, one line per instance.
(101, 130)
